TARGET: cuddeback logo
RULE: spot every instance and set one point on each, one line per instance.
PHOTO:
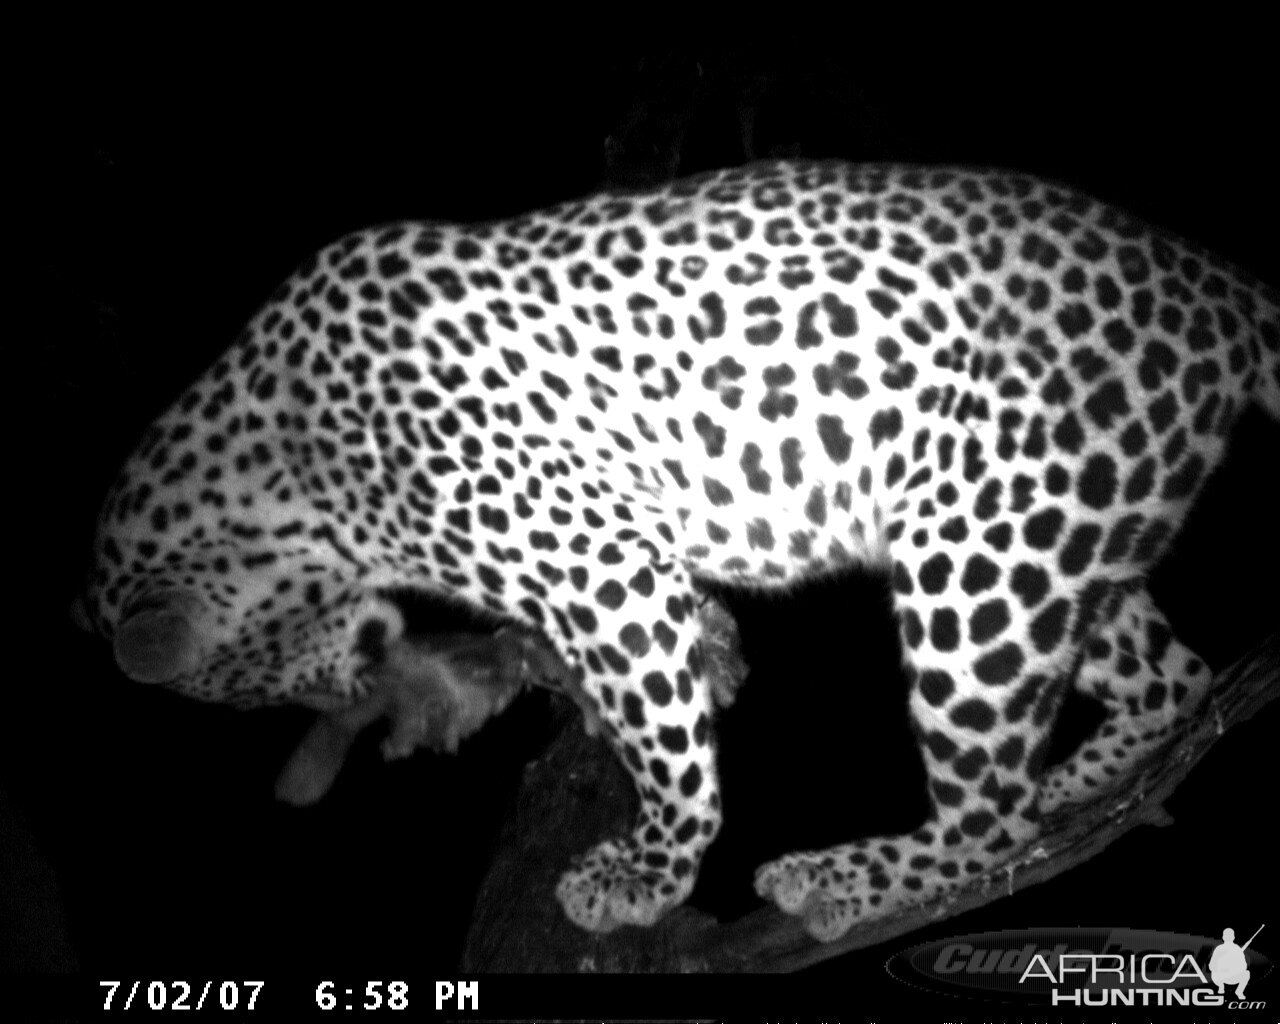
(1089, 967)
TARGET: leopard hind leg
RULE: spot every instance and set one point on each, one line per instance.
(987, 674)
(1147, 680)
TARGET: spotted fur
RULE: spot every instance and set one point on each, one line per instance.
(1002, 393)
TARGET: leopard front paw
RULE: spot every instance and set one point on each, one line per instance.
(611, 886)
(809, 887)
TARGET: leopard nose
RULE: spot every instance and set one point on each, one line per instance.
(158, 644)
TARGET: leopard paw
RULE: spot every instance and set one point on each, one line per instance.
(809, 887)
(612, 886)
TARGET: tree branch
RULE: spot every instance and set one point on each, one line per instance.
(578, 793)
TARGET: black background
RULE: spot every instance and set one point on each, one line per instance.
(173, 183)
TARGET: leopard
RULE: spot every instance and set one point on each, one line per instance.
(999, 393)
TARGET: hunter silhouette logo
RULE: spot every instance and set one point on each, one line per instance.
(1227, 965)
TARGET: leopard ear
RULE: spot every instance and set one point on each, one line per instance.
(159, 642)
